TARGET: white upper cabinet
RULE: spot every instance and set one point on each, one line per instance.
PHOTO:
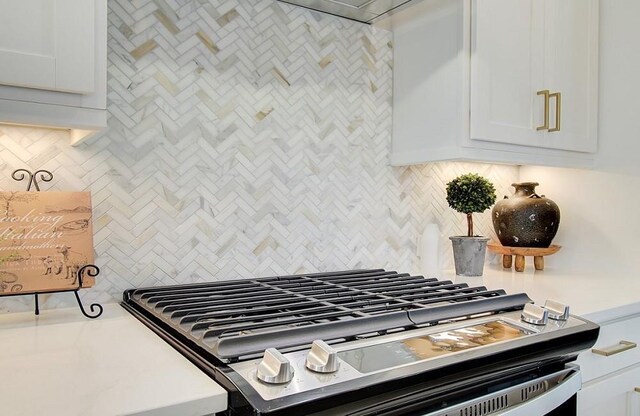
(496, 80)
(507, 70)
(534, 73)
(53, 64)
(47, 44)
(571, 70)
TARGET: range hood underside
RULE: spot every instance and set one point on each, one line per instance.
(365, 11)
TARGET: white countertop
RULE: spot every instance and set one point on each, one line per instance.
(597, 296)
(61, 363)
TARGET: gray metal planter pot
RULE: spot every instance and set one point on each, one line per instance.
(469, 254)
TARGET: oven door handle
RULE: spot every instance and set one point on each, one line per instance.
(550, 400)
(524, 399)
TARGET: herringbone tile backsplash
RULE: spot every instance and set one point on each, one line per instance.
(246, 138)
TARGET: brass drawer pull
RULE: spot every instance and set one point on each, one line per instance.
(615, 349)
(545, 126)
(637, 389)
(558, 97)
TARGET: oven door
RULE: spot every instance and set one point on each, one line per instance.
(550, 393)
(554, 394)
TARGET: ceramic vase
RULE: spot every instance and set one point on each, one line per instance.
(526, 219)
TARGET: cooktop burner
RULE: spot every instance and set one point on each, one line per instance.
(240, 318)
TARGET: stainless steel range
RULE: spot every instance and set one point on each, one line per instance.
(371, 342)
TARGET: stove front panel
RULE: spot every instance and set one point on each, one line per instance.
(410, 352)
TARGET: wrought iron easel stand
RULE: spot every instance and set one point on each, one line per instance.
(89, 269)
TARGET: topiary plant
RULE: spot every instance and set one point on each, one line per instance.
(470, 193)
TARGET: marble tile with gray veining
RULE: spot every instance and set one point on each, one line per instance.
(245, 138)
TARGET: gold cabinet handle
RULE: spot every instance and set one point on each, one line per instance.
(545, 126)
(637, 389)
(615, 349)
(558, 97)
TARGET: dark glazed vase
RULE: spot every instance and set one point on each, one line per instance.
(526, 219)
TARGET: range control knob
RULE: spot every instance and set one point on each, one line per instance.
(557, 310)
(533, 314)
(322, 358)
(274, 368)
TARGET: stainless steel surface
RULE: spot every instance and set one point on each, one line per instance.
(432, 345)
(306, 380)
(502, 401)
(322, 358)
(274, 368)
(534, 314)
(365, 11)
(557, 310)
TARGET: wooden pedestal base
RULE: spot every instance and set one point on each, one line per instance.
(520, 253)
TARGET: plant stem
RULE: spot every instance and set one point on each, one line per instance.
(469, 225)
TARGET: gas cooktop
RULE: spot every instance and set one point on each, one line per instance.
(286, 341)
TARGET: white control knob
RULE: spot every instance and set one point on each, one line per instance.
(322, 358)
(557, 310)
(533, 314)
(274, 368)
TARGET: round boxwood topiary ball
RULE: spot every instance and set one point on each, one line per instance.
(470, 193)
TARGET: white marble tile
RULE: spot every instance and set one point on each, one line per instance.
(189, 184)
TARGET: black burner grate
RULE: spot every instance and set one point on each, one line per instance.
(244, 317)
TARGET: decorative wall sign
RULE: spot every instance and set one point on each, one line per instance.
(45, 238)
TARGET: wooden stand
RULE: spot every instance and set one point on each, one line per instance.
(522, 252)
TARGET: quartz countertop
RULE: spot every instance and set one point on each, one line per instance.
(61, 363)
(597, 296)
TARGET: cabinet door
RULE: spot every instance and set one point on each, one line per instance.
(47, 44)
(522, 48)
(571, 69)
(506, 71)
(615, 396)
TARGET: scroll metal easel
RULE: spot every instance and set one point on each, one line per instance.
(88, 270)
